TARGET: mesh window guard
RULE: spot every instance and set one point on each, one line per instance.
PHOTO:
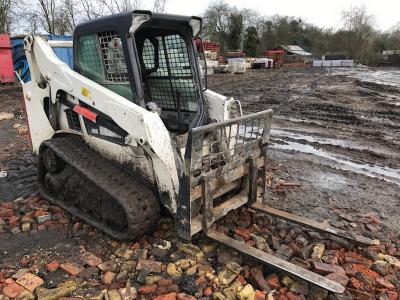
(226, 145)
(171, 85)
(113, 57)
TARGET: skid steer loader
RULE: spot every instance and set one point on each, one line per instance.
(133, 128)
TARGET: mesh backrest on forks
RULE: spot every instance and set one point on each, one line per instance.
(221, 147)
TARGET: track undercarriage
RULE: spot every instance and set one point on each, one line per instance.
(82, 182)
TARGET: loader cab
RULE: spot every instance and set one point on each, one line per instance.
(149, 59)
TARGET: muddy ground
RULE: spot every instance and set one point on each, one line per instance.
(334, 157)
(335, 134)
(15, 148)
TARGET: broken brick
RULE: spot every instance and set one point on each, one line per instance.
(339, 278)
(52, 266)
(40, 212)
(30, 282)
(325, 269)
(284, 252)
(13, 221)
(164, 282)
(393, 295)
(273, 281)
(385, 284)
(244, 233)
(108, 266)
(90, 259)
(349, 270)
(201, 281)
(183, 296)
(149, 265)
(259, 279)
(259, 295)
(76, 227)
(292, 296)
(89, 272)
(241, 280)
(207, 292)
(148, 289)
(169, 296)
(173, 288)
(12, 290)
(365, 271)
(108, 277)
(71, 269)
(6, 213)
(301, 263)
(7, 205)
(360, 295)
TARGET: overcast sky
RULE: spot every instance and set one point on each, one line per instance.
(319, 12)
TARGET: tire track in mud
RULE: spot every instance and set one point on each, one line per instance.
(347, 146)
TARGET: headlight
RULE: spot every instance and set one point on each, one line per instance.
(138, 19)
(196, 26)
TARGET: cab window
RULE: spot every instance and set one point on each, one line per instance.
(167, 76)
(101, 59)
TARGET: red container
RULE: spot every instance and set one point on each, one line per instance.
(277, 55)
(6, 62)
(207, 45)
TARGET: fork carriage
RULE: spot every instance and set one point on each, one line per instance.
(223, 164)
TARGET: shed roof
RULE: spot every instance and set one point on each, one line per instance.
(295, 50)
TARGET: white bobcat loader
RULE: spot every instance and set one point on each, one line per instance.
(132, 128)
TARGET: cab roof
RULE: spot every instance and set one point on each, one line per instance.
(122, 22)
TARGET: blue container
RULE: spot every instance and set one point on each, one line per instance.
(64, 54)
(21, 64)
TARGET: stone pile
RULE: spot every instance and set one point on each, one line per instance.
(159, 266)
(31, 215)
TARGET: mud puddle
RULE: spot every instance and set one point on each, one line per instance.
(341, 162)
(310, 136)
(389, 77)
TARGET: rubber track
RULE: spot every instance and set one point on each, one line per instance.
(140, 204)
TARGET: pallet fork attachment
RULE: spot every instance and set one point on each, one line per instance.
(266, 258)
(231, 154)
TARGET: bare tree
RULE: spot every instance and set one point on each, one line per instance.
(216, 23)
(251, 18)
(62, 23)
(118, 6)
(55, 16)
(90, 9)
(159, 6)
(394, 37)
(71, 13)
(5, 15)
(47, 15)
(62, 16)
(359, 25)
